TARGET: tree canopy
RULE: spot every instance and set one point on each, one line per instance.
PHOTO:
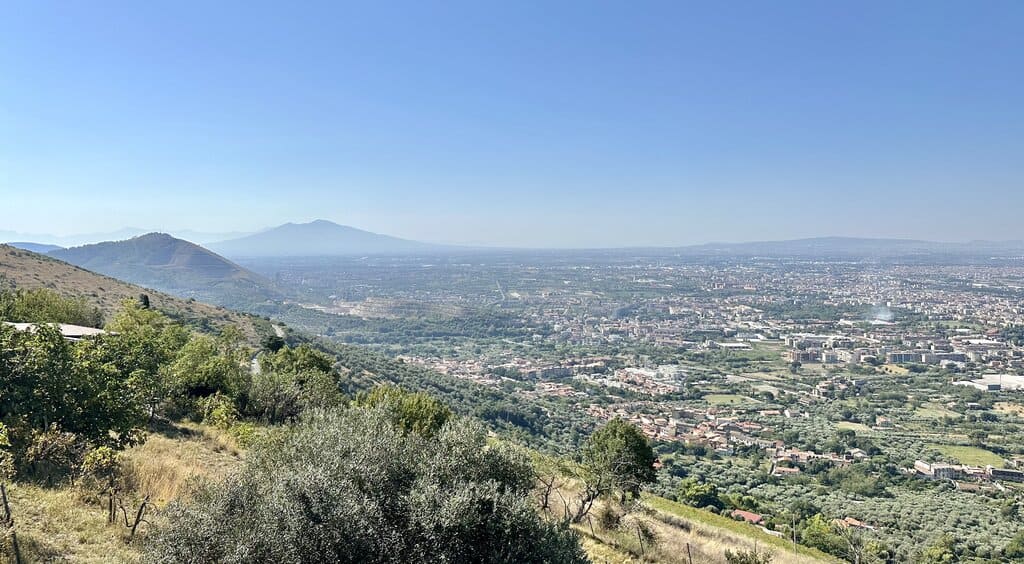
(351, 486)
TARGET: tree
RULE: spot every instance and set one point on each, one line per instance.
(1015, 549)
(276, 398)
(207, 366)
(298, 359)
(820, 533)
(351, 486)
(942, 551)
(43, 305)
(699, 494)
(272, 343)
(413, 412)
(615, 458)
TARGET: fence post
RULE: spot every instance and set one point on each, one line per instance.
(9, 522)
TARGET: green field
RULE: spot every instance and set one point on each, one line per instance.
(858, 427)
(728, 399)
(935, 411)
(970, 455)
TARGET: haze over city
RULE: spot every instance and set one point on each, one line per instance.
(521, 124)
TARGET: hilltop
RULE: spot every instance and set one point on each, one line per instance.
(175, 266)
(25, 269)
(317, 238)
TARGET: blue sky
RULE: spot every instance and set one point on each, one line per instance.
(517, 123)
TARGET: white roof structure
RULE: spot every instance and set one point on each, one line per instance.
(71, 332)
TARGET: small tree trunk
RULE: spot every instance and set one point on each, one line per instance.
(9, 523)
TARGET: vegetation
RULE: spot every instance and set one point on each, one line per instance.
(352, 487)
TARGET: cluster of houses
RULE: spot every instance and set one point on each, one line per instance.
(941, 471)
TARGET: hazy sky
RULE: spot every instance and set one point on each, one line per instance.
(519, 123)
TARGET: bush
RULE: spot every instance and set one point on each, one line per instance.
(53, 455)
(609, 517)
(218, 410)
(352, 487)
(748, 557)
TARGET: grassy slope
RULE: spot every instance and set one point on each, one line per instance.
(68, 524)
(157, 260)
(972, 456)
(718, 532)
(24, 269)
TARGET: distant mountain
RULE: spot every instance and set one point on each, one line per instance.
(25, 269)
(317, 238)
(175, 266)
(198, 237)
(71, 240)
(40, 248)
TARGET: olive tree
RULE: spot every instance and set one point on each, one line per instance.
(352, 486)
(615, 459)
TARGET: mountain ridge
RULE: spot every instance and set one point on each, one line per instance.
(172, 265)
(28, 270)
(317, 238)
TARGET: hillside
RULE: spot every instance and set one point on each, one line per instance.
(25, 269)
(175, 266)
(317, 238)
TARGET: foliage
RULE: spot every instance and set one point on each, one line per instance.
(218, 410)
(294, 360)
(53, 455)
(818, 532)
(1016, 547)
(942, 551)
(748, 557)
(413, 412)
(276, 397)
(352, 487)
(699, 494)
(204, 367)
(50, 385)
(43, 305)
(620, 451)
(6, 457)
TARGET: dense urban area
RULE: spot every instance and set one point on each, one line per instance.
(879, 395)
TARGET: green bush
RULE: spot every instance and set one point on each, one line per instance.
(351, 486)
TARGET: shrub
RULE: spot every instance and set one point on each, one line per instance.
(218, 410)
(53, 455)
(352, 487)
(748, 557)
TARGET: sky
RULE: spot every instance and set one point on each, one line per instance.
(517, 123)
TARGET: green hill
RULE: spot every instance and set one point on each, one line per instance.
(175, 266)
(28, 270)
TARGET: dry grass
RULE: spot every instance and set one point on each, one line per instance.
(166, 464)
(24, 269)
(63, 525)
(681, 535)
(69, 524)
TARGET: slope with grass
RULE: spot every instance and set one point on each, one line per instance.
(160, 261)
(28, 270)
(68, 524)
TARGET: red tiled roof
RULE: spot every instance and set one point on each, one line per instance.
(747, 516)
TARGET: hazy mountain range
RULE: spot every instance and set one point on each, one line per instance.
(325, 238)
(198, 237)
(318, 238)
